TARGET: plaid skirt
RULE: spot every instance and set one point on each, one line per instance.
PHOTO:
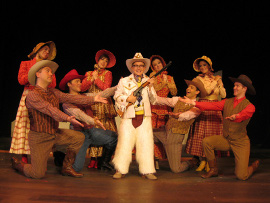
(19, 143)
(209, 123)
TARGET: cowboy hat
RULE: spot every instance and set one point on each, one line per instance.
(52, 53)
(246, 81)
(112, 58)
(37, 66)
(138, 58)
(198, 83)
(197, 61)
(71, 75)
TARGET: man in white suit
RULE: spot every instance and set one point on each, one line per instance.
(136, 127)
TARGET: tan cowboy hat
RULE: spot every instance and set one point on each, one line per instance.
(246, 81)
(37, 66)
(197, 61)
(138, 58)
(52, 53)
(198, 83)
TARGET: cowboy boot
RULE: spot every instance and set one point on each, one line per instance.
(67, 169)
(213, 172)
(24, 158)
(92, 163)
(149, 176)
(17, 165)
(118, 175)
(201, 166)
(106, 158)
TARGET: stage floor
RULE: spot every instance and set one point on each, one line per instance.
(98, 186)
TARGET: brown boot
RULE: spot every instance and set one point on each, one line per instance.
(17, 165)
(213, 172)
(67, 169)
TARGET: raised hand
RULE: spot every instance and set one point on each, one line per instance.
(98, 122)
(232, 117)
(187, 100)
(101, 99)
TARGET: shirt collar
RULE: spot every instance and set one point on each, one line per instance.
(239, 100)
(42, 89)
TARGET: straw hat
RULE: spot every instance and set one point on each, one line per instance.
(37, 66)
(197, 61)
(246, 81)
(112, 58)
(52, 53)
(138, 58)
(71, 75)
(197, 83)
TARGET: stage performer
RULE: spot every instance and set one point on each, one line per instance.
(136, 125)
(237, 112)
(178, 125)
(163, 85)
(83, 113)
(209, 123)
(19, 143)
(96, 81)
(44, 114)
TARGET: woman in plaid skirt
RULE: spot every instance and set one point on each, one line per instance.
(19, 143)
(209, 123)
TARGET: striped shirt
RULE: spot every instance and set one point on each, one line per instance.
(43, 108)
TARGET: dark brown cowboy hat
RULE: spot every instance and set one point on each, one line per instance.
(246, 81)
(198, 83)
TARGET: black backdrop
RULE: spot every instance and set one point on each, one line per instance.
(234, 34)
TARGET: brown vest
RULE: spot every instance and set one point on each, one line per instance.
(180, 127)
(233, 129)
(39, 121)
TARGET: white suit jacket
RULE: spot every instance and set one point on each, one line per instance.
(125, 88)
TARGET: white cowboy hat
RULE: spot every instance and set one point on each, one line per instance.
(37, 66)
(138, 58)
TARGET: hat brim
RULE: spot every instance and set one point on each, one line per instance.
(250, 89)
(52, 53)
(199, 85)
(146, 61)
(196, 64)
(111, 56)
(37, 66)
(65, 80)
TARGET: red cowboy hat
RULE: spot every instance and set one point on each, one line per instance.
(109, 54)
(71, 75)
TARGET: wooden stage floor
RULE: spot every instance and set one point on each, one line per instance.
(98, 186)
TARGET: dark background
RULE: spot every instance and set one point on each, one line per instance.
(234, 34)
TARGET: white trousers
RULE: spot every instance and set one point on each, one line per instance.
(142, 138)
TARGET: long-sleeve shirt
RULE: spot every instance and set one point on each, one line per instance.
(99, 82)
(185, 116)
(43, 107)
(218, 106)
